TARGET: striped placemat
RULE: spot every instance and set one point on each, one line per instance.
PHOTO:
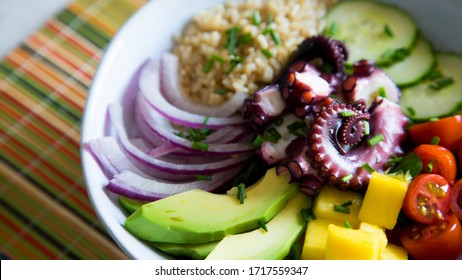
(45, 212)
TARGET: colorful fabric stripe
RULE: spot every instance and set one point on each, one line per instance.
(45, 212)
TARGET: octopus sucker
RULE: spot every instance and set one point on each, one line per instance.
(334, 114)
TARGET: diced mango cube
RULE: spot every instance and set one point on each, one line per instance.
(383, 200)
(329, 197)
(378, 231)
(394, 252)
(314, 246)
(351, 244)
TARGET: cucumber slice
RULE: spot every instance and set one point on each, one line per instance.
(414, 67)
(371, 29)
(423, 101)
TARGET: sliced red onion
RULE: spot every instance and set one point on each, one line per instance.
(112, 160)
(134, 186)
(171, 89)
(135, 154)
(150, 88)
(151, 118)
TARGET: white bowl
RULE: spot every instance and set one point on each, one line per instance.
(147, 34)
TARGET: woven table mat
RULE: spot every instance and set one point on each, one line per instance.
(45, 212)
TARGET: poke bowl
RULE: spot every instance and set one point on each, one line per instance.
(240, 79)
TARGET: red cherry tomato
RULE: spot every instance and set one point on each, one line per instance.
(456, 199)
(439, 241)
(448, 130)
(460, 158)
(437, 160)
(427, 198)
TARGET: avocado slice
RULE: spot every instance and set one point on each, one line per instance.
(274, 244)
(131, 205)
(195, 251)
(198, 216)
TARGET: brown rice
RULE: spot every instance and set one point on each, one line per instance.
(260, 60)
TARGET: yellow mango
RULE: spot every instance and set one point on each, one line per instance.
(383, 200)
(378, 231)
(329, 196)
(351, 244)
(314, 246)
(393, 252)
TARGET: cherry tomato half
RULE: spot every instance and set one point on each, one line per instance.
(448, 130)
(427, 198)
(456, 199)
(437, 160)
(439, 241)
(460, 157)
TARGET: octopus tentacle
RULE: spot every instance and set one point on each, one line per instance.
(344, 167)
(334, 146)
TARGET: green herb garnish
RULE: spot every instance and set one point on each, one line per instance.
(344, 207)
(278, 121)
(410, 163)
(346, 114)
(267, 53)
(375, 140)
(256, 18)
(387, 30)
(368, 168)
(221, 91)
(331, 30)
(298, 128)
(273, 136)
(204, 177)
(394, 159)
(382, 92)
(347, 224)
(274, 35)
(244, 38)
(411, 110)
(231, 41)
(390, 57)
(200, 146)
(435, 140)
(442, 83)
(429, 167)
(435, 74)
(346, 178)
(235, 60)
(367, 128)
(258, 141)
(210, 62)
(262, 225)
(241, 195)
